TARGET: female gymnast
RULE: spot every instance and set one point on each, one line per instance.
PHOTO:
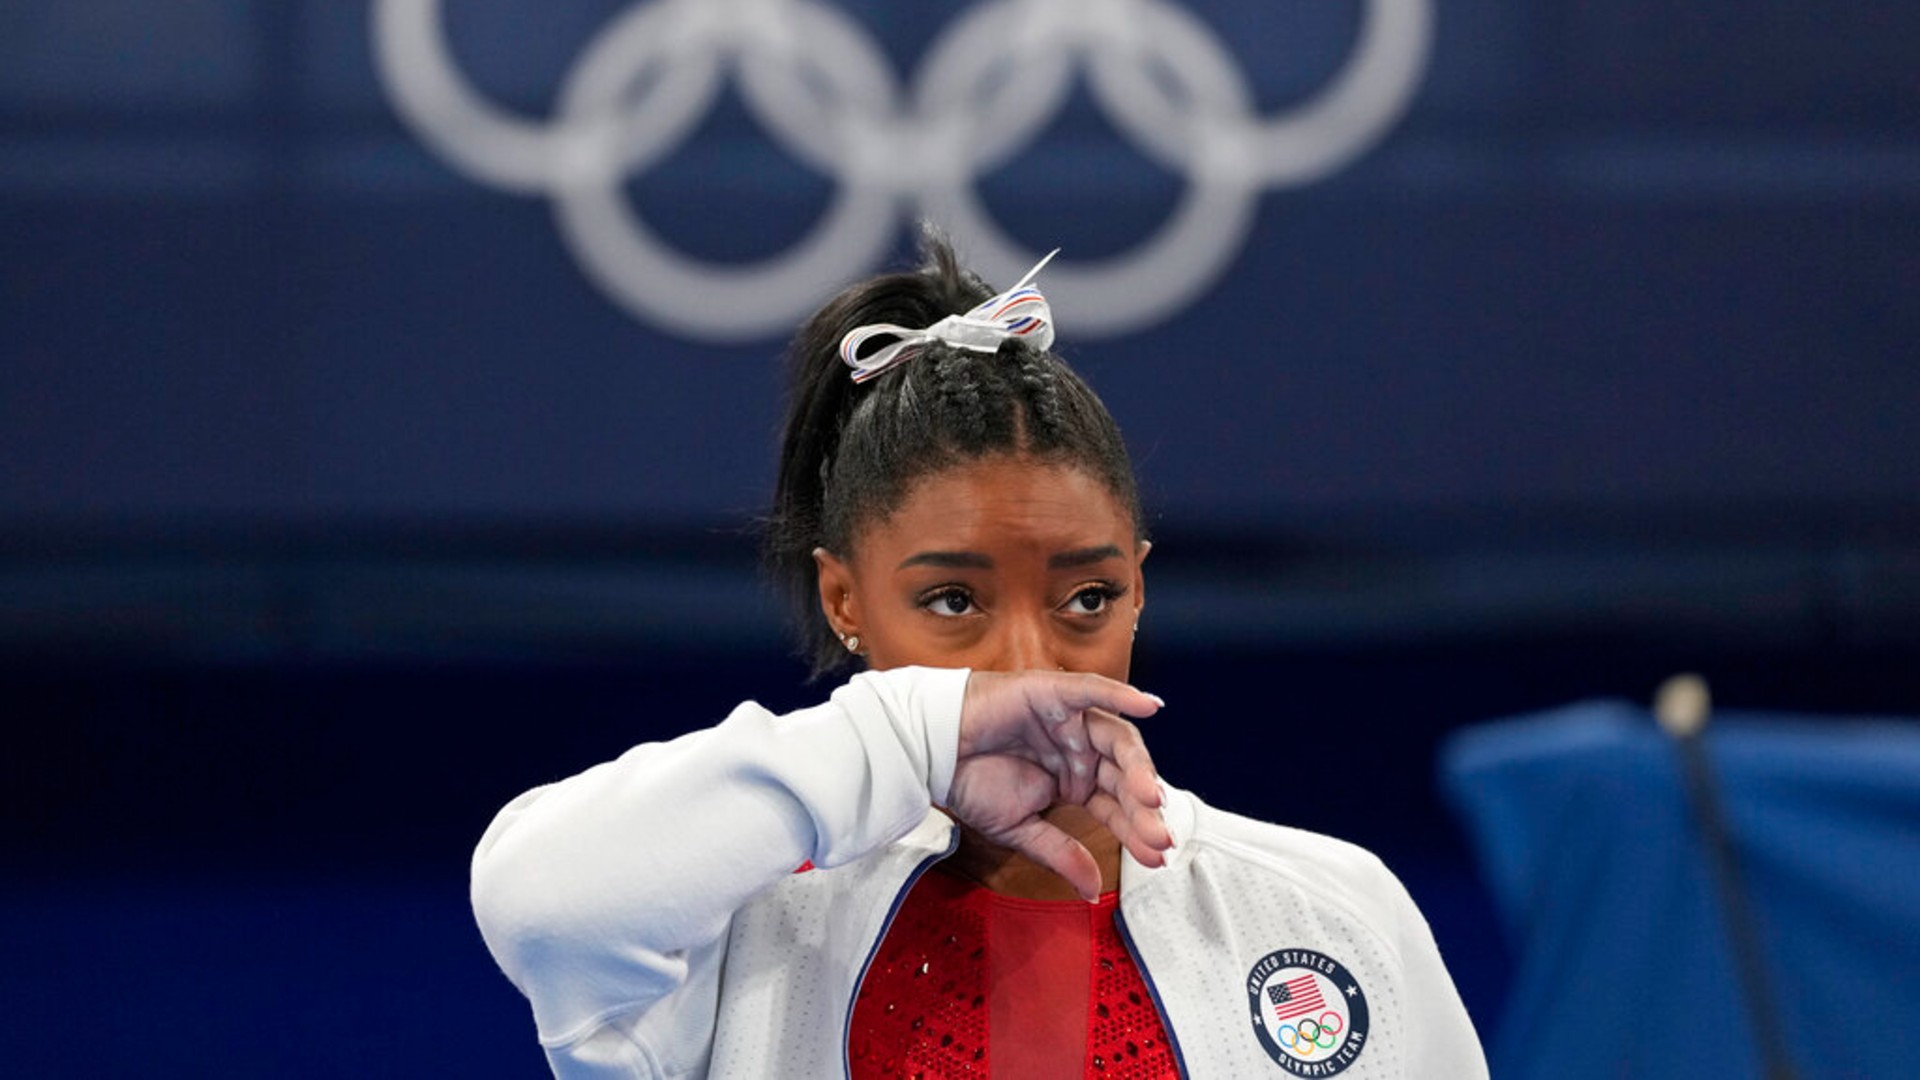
(963, 862)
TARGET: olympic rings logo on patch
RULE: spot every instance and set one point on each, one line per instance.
(1309, 1013)
(1311, 1035)
(824, 90)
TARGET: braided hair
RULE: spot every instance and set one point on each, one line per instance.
(851, 452)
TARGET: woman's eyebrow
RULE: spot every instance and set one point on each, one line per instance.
(953, 560)
(1067, 560)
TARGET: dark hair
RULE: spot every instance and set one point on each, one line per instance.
(852, 451)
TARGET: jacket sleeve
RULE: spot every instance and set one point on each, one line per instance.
(608, 895)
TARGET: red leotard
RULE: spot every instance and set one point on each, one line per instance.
(968, 983)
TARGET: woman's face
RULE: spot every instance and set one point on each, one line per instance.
(1000, 564)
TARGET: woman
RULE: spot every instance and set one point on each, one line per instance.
(963, 863)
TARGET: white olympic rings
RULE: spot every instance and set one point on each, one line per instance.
(825, 93)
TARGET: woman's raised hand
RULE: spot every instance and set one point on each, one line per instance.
(1031, 739)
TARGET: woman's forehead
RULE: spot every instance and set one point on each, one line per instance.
(1002, 500)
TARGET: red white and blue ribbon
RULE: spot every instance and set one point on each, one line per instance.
(1020, 312)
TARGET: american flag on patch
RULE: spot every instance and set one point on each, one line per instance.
(1295, 997)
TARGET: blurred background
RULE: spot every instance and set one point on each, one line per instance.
(387, 395)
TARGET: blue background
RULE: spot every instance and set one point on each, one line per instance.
(338, 506)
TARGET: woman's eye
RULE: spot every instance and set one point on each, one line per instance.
(1091, 600)
(949, 602)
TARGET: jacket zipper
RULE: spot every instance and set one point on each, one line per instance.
(1153, 992)
(886, 924)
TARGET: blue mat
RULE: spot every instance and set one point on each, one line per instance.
(1624, 963)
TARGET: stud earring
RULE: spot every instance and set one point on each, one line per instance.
(852, 642)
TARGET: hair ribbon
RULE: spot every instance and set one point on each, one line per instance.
(1020, 312)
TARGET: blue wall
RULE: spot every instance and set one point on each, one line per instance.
(1613, 257)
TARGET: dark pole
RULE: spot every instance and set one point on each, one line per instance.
(1681, 707)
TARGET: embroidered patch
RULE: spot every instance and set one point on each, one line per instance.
(1308, 1012)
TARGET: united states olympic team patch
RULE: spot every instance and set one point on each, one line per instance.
(1308, 1012)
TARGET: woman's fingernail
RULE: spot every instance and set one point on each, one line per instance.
(1157, 699)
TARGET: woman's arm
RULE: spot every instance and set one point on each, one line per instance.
(609, 894)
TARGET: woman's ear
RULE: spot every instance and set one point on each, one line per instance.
(835, 579)
(1141, 550)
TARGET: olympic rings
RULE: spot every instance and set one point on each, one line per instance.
(1325, 1034)
(823, 89)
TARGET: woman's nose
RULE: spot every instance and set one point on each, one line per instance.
(1025, 645)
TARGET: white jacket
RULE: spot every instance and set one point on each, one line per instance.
(649, 910)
